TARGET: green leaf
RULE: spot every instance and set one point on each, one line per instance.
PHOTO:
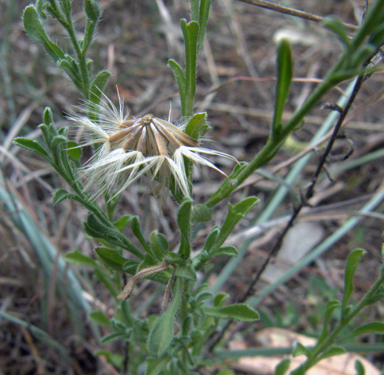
(283, 367)
(159, 244)
(99, 318)
(226, 371)
(180, 79)
(338, 28)
(353, 261)
(212, 238)
(359, 368)
(114, 359)
(122, 222)
(31, 145)
(162, 333)
(92, 9)
(229, 182)
(235, 214)
(156, 365)
(374, 327)
(71, 69)
(186, 271)
(60, 195)
(331, 352)
(135, 226)
(65, 6)
(225, 250)
(240, 312)
(48, 118)
(332, 305)
(130, 266)
(284, 78)
(97, 86)
(300, 349)
(202, 297)
(175, 258)
(110, 258)
(40, 7)
(35, 30)
(75, 257)
(197, 126)
(74, 150)
(203, 21)
(183, 221)
(190, 32)
(220, 299)
(111, 337)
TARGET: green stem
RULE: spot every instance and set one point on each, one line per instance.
(332, 337)
(275, 141)
(80, 57)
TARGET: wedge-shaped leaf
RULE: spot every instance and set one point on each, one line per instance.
(180, 79)
(283, 367)
(202, 297)
(197, 125)
(175, 258)
(107, 231)
(122, 222)
(220, 299)
(229, 182)
(135, 226)
(99, 318)
(331, 352)
(338, 28)
(92, 9)
(74, 151)
(212, 238)
(72, 71)
(284, 78)
(190, 32)
(374, 327)
(353, 261)
(31, 145)
(114, 359)
(112, 337)
(240, 312)
(235, 214)
(159, 244)
(183, 221)
(35, 30)
(97, 86)
(162, 333)
(186, 271)
(300, 349)
(225, 250)
(60, 195)
(203, 21)
(80, 259)
(110, 258)
(360, 370)
(130, 266)
(156, 365)
(105, 278)
(332, 305)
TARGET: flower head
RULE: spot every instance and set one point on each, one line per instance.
(131, 148)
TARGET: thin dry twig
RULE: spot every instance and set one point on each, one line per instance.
(292, 12)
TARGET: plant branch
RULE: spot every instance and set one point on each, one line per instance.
(293, 12)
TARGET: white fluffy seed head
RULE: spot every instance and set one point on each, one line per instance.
(131, 148)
